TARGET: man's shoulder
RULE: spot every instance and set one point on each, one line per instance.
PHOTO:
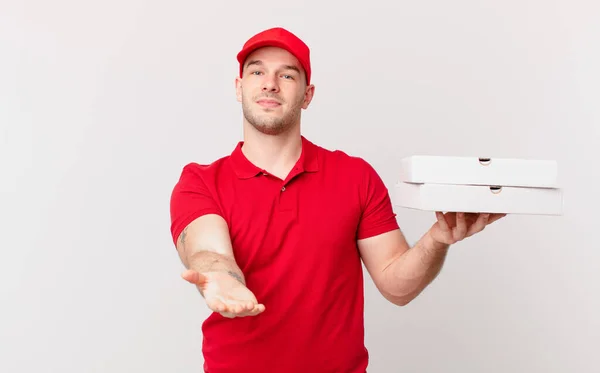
(207, 166)
(205, 170)
(344, 158)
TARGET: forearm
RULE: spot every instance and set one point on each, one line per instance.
(414, 270)
(210, 261)
(205, 246)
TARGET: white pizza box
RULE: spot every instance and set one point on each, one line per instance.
(479, 198)
(479, 171)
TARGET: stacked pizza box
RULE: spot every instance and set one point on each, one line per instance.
(475, 184)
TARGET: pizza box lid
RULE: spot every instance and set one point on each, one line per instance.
(463, 170)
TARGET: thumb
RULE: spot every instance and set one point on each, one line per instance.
(194, 277)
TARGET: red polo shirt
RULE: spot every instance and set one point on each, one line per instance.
(295, 241)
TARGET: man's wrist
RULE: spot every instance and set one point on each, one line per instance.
(207, 262)
(237, 276)
(431, 244)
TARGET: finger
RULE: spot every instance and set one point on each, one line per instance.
(222, 309)
(259, 308)
(194, 277)
(250, 307)
(471, 217)
(242, 308)
(442, 221)
(239, 306)
(461, 226)
(239, 310)
(495, 217)
(479, 224)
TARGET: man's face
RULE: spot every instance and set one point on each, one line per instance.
(273, 90)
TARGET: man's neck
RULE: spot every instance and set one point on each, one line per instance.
(276, 154)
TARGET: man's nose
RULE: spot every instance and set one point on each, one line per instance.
(270, 84)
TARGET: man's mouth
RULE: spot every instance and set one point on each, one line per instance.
(265, 102)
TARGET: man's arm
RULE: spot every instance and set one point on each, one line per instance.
(205, 246)
(399, 271)
(201, 236)
(205, 249)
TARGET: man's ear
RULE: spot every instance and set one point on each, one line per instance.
(238, 89)
(309, 93)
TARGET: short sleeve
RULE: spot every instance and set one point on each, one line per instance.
(190, 199)
(377, 213)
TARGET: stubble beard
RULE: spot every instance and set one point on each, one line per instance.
(271, 125)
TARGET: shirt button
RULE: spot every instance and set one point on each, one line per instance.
(283, 189)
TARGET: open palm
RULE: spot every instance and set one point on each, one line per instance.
(225, 294)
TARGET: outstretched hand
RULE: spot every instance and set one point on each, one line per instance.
(224, 294)
(456, 226)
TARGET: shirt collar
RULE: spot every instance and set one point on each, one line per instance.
(244, 169)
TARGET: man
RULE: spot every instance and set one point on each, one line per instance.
(273, 235)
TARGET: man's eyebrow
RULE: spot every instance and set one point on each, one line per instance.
(254, 62)
(292, 67)
(285, 67)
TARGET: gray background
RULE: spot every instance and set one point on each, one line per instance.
(102, 103)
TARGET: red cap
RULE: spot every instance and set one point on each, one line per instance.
(281, 38)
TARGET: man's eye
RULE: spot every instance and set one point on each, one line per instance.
(288, 77)
(256, 72)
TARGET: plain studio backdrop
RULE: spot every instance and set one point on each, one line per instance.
(103, 103)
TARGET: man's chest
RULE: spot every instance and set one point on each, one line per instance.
(299, 221)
